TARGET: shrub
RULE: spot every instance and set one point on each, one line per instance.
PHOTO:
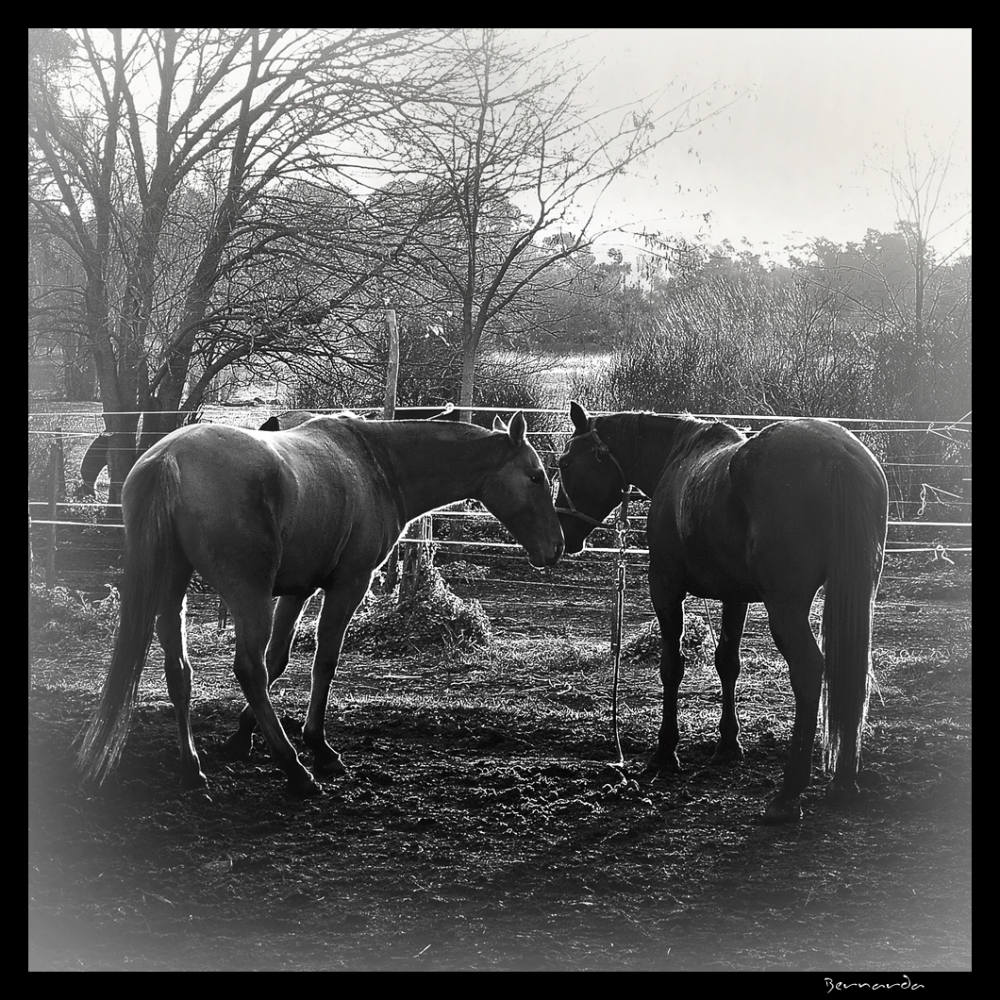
(743, 343)
(61, 612)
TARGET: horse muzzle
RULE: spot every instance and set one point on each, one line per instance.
(547, 555)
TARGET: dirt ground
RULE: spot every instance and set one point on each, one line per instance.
(481, 827)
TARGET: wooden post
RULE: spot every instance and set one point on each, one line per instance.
(418, 559)
(55, 485)
(392, 370)
(414, 553)
(388, 413)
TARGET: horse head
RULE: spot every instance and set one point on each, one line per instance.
(518, 494)
(591, 482)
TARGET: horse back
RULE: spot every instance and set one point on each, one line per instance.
(697, 525)
(290, 506)
(790, 464)
(787, 480)
(743, 519)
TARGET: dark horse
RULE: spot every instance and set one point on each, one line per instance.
(318, 506)
(96, 457)
(771, 518)
(94, 461)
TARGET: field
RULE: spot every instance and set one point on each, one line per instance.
(481, 827)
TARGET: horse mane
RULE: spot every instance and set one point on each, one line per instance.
(371, 438)
(689, 432)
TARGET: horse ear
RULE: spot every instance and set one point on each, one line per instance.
(580, 417)
(498, 424)
(518, 428)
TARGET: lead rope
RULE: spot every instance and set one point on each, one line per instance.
(621, 536)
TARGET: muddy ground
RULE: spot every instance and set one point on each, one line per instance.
(481, 827)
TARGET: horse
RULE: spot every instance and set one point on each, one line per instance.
(287, 513)
(769, 518)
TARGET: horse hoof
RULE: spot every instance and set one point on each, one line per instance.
(303, 788)
(330, 767)
(193, 782)
(727, 755)
(783, 812)
(665, 767)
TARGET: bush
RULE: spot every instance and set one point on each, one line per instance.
(739, 343)
(62, 613)
(430, 374)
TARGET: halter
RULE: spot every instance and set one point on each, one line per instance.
(600, 448)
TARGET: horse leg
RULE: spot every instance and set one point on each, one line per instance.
(727, 665)
(796, 643)
(177, 669)
(668, 603)
(252, 619)
(287, 613)
(339, 604)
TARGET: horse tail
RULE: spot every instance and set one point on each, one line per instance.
(149, 499)
(859, 497)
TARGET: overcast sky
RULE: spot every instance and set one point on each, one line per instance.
(788, 161)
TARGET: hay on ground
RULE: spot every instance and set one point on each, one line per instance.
(645, 644)
(433, 617)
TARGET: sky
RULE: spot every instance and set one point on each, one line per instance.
(797, 155)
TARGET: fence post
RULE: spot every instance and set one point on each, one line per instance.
(55, 489)
(389, 413)
(417, 558)
(392, 371)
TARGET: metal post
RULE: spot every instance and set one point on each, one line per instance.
(621, 536)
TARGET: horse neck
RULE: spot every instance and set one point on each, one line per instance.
(429, 465)
(645, 443)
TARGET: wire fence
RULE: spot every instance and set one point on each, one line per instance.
(928, 465)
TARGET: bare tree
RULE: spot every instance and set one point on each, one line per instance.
(908, 301)
(162, 159)
(917, 188)
(510, 158)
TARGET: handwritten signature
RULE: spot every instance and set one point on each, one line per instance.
(905, 984)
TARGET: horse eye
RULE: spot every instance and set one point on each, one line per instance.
(538, 477)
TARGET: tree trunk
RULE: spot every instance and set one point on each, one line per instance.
(472, 335)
